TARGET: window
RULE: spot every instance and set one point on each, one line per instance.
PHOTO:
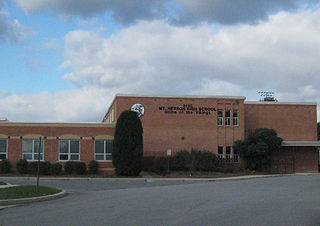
(3, 149)
(235, 118)
(228, 117)
(103, 150)
(228, 154)
(69, 150)
(220, 118)
(220, 152)
(235, 156)
(30, 150)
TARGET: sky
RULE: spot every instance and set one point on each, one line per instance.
(65, 60)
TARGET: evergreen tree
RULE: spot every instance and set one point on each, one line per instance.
(128, 144)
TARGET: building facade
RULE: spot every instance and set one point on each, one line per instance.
(174, 123)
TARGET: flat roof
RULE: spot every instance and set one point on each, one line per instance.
(300, 143)
(182, 96)
(279, 103)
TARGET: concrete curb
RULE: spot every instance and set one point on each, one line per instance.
(61, 194)
(165, 178)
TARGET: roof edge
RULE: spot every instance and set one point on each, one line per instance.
(181, 96)
(300, 143)
(279, 103)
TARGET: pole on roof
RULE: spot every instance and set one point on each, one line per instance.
(38, 172)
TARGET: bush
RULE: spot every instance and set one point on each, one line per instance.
(160, 165)
(204, 161)
(5, 166)
(44, 168)
(69, 167)
(128, 144)
(181, 161)
(148, 163)
(72, 167)
(228, 170)
(93, 167)
(80, 168)
(56, 169)
(22, 166)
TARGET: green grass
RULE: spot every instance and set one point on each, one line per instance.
(26, 191)
(2, 183)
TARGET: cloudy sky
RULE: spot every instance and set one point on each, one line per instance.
(64, 60)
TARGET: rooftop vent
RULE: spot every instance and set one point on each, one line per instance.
(3, 119)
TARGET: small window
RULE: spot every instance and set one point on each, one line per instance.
(220, 117)
(220, 152)
(228, 154)
(3, 149)
(235, 156)
(30, 150)
(235, 118)
(69, 150)
(103, 150)
(228, 118)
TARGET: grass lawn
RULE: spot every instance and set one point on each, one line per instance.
(2, 183)
(26, 191)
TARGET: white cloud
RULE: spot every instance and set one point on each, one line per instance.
(87, 104)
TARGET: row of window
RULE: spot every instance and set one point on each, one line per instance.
(227, 117)
(68, 150)
(227, 155)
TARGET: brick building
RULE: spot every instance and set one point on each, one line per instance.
(174, 122)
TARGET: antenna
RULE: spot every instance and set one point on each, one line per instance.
(267, 96)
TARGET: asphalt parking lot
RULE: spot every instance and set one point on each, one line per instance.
(287, 200)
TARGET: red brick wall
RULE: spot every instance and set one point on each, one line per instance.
(292, 122)
(295, 159)
(164, 131)
(50, 132)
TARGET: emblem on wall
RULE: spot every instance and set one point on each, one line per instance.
(138, 108)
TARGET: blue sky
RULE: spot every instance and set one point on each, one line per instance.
(64, 60)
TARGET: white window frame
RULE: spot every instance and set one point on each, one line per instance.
(228, 156)
(34, 152)
(69, 152)
(227, 119)
(104, 154)
(220, 156)
(220, 119)
(6, 149)
(235, 121)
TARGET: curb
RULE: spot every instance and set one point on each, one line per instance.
(164, 178)
(61, 194)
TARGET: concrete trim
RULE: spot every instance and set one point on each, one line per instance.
(58, 195)
(300, 144)
(57, 124)
(279, 103)
(103, 137)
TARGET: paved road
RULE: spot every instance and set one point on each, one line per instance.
(291, 200)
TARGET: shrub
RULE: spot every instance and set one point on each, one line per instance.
(22, 166)
(160, 165)
(128, 144)
(228, 170)
(44, 168)
(181, 161)
(69, 167)
(5, 166)
(204, 161)
(148, 163)
(72, 167)
(80, 168)
(93, 167)
(56, 169)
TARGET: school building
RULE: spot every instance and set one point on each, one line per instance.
(173, 123)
